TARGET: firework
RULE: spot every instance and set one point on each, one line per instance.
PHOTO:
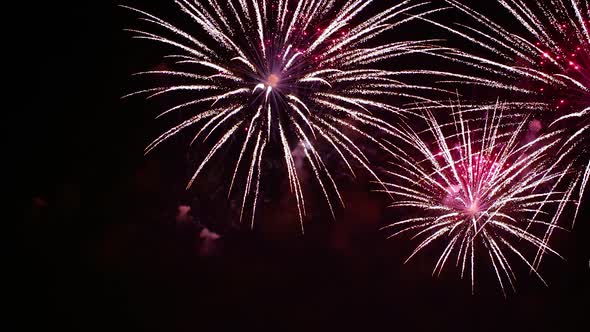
(264, 74)
(479, 184)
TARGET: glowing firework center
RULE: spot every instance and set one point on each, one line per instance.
(469, 197)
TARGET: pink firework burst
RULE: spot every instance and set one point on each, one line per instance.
(479, 185)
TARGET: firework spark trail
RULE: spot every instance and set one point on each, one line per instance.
(477, 187)
(283, 72)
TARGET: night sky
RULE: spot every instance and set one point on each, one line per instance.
(99, 249)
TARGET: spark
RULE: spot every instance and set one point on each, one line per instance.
(283, 73)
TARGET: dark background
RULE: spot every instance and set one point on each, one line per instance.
(99, 249)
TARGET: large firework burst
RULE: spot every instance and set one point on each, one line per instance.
(479, 184)
(283, 74)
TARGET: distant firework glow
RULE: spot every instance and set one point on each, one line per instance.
(478, 185)
(279, 74)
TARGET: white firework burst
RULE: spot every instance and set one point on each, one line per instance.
(281, 74)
